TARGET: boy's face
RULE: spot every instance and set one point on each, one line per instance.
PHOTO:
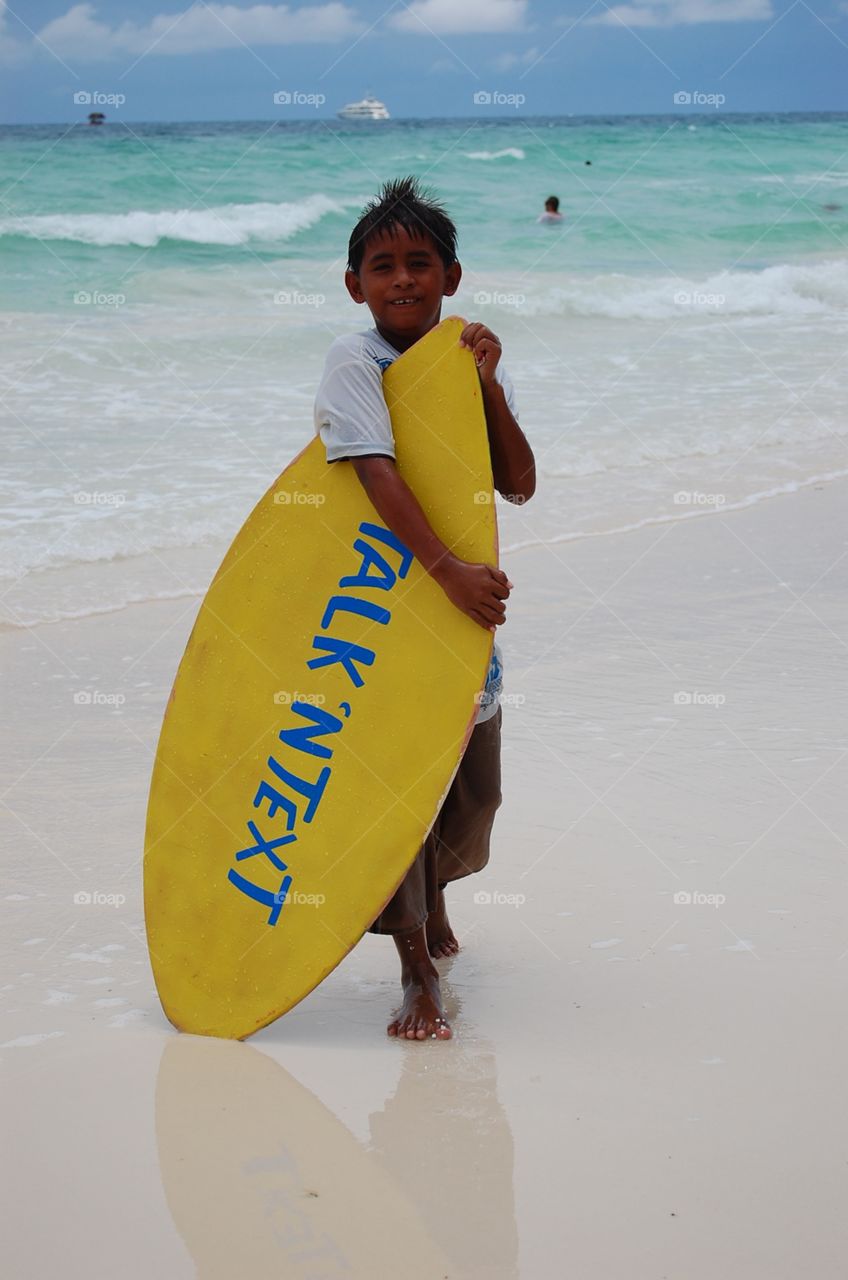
(403, 281)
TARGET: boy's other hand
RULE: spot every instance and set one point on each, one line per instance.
(485, 347)
(479, 590)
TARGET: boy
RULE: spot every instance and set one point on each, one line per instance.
(401, 263)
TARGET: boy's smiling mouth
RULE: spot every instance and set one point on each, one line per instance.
(404, 302)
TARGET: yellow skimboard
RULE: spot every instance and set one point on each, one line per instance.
(318, 715)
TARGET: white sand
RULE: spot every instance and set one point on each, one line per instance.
(638, 1087)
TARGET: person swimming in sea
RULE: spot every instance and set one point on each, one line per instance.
(552, 213)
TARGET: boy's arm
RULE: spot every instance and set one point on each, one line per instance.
(479, 590)
(513, 465)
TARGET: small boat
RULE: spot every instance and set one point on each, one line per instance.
(96, 117)
(368, 109)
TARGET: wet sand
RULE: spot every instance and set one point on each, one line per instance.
(647, 1068)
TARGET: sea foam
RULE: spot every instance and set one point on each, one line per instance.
(228, 224)
(787, 289)
(513, 153)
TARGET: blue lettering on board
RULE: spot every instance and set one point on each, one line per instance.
(385, 577)
(390, 540)
(353, 605)
(264, 846)
(276, 800)
(344, 652)
(376, 573)
(312, 790)
(301, 739)
(265, 896)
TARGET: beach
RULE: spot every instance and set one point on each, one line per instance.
(645, 1075)
(645, 1078)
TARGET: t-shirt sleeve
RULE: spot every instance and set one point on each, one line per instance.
(509, 390)
(351, 416)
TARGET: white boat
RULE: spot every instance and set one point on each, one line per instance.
(368, 109)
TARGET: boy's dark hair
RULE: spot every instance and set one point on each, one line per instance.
(403, 203)
(553, 200)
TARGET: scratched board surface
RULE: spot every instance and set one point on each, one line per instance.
(318, 715)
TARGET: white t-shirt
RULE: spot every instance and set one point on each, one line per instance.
(352, 420)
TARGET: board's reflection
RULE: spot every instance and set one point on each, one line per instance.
(263, 1180)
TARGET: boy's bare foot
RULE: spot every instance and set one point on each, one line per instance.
(441, 940)
(421, 1016)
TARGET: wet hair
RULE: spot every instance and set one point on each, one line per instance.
(553, 200)
(403, 203)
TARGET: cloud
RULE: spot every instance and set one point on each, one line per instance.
(506, 61)
(676, 13)
(199, 29)
(461, 17)
(11, 50)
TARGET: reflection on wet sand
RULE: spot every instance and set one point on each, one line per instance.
(262, 1180)
(444, 1140)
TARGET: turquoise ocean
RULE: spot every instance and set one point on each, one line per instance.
(677, 343)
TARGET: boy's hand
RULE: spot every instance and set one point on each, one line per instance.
(485, 347)
(479, 590)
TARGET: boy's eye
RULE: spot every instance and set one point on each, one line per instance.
(420, 265)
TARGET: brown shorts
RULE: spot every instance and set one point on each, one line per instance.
(458, 843)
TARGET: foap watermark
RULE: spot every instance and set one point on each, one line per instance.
(96, 898)
(298, 498)
(695, 698)
(505, 699)
(694, 498)
(696, 98)
(298, 98)
(695, 298)
(683, 898)
(98, 698)
(285, 697)
(489, 298)
(295, 298)
(483, 498)
(496, 898)
(497, 98)
(98, 298)
(95, 98)
(299, 899)
(99, 498)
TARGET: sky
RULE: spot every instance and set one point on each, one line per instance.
(163, 60)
